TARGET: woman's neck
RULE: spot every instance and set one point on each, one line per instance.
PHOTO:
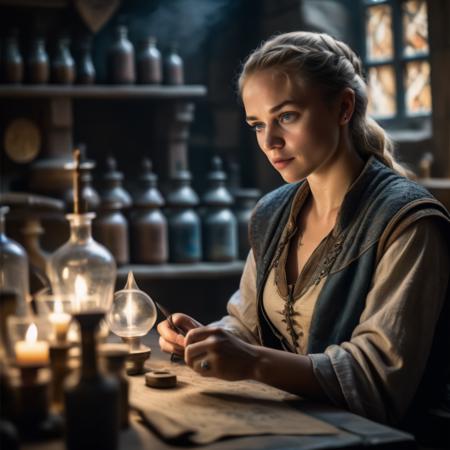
(331, 182)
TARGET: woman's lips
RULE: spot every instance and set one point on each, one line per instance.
(282, 163)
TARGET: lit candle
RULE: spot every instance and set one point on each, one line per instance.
(31, 352)
(60, 322)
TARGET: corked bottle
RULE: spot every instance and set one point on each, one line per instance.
(149, 64)
(121, 58)
(63, 65)
(85, 66)
(148, 225)
(219, 226)
(12, 61)
(110, 228)
(184, 223)
(174, 67)
(38, 65)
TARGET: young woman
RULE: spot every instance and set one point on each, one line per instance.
(345, 293)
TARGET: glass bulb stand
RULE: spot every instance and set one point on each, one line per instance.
(30, 405)
(137, 355)
(92, 405)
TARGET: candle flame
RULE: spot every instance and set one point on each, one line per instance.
(129, 310)
(31, 334)
(58, 309)
(80, 290)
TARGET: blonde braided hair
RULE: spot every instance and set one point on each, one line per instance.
(321, 59)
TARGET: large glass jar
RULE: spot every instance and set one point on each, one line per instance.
(14, 276)
(83, 269)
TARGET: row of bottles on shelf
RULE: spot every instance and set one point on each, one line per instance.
(180, 228)
(123, 66)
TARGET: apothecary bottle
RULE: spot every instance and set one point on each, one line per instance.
(174, 67)
(245, 201)
(12, 61)
(219, 226)
(14, 272)
(85, 66)
(184, 222)
(149, 63)
(63, 65)
(38, 64)
(110, 227)
(121, 68)
(148, 225)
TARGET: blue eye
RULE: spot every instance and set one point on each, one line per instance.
(257, 127)
(288, 117)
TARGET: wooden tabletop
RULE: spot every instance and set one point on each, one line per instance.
(354, 432)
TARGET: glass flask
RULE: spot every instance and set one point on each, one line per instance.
(83, 269)
(14, 277)
(133, 313)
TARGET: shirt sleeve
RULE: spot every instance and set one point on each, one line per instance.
(377, 372)
(242, 318)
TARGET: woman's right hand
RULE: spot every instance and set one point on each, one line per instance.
(170, 340)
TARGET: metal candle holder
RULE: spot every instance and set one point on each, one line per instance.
(60, 369)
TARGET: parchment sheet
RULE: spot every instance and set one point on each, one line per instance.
(206, 409)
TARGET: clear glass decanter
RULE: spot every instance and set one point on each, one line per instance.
(82, 269)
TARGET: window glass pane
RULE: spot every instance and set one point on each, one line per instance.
(415, 27)
(379, 39)
(381, 81)
(417, 87)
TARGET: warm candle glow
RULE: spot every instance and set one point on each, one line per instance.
(60, 321)
(129, 310)
(31, 352)
(80, 291)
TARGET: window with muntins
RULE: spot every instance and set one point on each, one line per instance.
(396, 59)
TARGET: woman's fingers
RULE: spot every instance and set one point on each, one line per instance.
(185, 322)
(170, 347)
(170, 335)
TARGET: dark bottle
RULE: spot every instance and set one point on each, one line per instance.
(219, 226)
(174, 68)
(121, 58)
(110, 227)
(12, 61)
(89, 196)
(245, 200)
(92, 404)
(85, 66)
(63, 65)
(38, 65)
(149, 64)
(148, 225)
(184, 223)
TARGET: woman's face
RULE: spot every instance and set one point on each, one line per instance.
(295, 127)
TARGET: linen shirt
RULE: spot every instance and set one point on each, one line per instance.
(375, 373)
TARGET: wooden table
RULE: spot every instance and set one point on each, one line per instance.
(355, 432)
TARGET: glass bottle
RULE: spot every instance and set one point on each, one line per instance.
(219, 224)
(184, 223)
(245, 201)
(82, 269)
(174, 67)
(121, 58)
(13, 61)
(38, 64)
(63, 65)
(149, 65)
(14, 275)
(148, 225)
(85, 66)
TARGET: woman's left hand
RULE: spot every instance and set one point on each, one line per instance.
(214, 352)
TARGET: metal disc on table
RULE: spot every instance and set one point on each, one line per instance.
(160, 379)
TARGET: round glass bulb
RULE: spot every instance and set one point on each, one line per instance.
(133, 312)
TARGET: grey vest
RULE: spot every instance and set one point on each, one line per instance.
(376, 199)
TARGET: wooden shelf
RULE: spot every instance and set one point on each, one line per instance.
(103, 91)
(202, 270)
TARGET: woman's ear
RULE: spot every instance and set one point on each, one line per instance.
(347, 106)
